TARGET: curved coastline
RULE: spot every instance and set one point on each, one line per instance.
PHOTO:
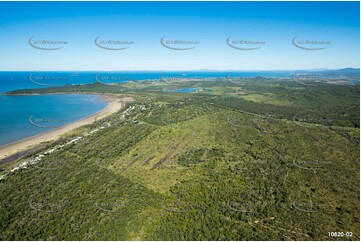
(113, 105)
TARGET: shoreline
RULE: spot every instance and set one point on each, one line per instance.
(113, 105)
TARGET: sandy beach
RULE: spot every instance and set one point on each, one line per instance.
(113, 105)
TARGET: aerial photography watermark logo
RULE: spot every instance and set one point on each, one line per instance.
(311, 164)
(177, 206)
(306, 79)
(52, 163)
(111, 79)
(104, 163)
(315, 122)
(242, 207)
(170, 77)
(113, 44)
(168, 118)
(46, 80)
(310, 44)
(301, 121)
(310, 206)
(252, 201)
(239, 164)
(46, 206)
(47, 44)
(46, 122)
(239, 123)
(111, 205)
(305, 206)
(179, 44)
(245, 44)
(236, 76)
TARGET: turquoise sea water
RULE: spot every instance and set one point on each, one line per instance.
(25, 116)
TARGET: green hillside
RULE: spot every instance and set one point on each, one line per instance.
(235, 160)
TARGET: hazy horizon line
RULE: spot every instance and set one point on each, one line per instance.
(204, 70)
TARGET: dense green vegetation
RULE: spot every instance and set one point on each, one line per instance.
(237, 160)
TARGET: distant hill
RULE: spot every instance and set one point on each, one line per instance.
(350, 72)
(344, 71)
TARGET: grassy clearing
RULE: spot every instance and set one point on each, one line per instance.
(199, 166)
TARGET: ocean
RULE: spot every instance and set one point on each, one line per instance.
(21, 80)
(25, 116)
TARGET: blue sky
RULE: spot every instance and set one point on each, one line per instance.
(209, 24)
